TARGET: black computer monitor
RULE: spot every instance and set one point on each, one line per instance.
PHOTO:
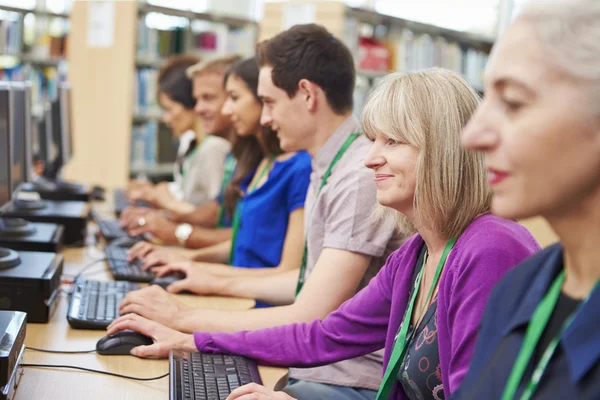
(27, 101)
(17, 135)
(66, 124)
(5, 188)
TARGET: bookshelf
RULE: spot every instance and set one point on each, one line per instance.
(33, 46)
(408, 45)
(162, 32)
(117, 125)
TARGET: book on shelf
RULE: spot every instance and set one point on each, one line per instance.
(144, 92)
(144, 145)
(154, 44)
(10, 37)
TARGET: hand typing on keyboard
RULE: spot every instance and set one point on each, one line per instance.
(258, 392)
(197, 279)
(155, 304)
(165, 339)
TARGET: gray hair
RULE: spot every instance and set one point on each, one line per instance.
(570, 30)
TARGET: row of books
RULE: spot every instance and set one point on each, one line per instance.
(414, 52)
(152, 143)
(202, 38)
(44, 82)
(144, 145)
(153, 44)
(10, 37)
(144, 91)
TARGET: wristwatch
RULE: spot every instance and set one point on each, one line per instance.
(183, 233)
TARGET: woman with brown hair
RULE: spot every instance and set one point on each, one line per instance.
(265, 197)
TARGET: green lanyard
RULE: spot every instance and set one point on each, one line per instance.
(237, 217)
(536, 327)
(338, 156)
(230, 163)
(391, 372)
(190, 157)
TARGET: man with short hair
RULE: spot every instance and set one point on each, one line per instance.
(306, 82)
(188, 225)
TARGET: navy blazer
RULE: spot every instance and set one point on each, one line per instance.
(573, 372)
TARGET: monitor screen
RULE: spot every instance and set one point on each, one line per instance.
(5, 189)
(56, 131)
(17, 134)
(27, 100)
(66, 110)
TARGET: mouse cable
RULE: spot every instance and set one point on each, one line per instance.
(60, 351)
(135, 378)
(84, 269)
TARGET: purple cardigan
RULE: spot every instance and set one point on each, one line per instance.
(488, 248)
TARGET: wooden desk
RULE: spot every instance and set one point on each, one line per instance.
(48, 384)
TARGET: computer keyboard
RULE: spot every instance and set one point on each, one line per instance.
(111, 229)
(201, 376)
(95, 304)
(116, 257)
(121, 202)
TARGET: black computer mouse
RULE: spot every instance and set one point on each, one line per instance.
(121, 343)
(166, 280)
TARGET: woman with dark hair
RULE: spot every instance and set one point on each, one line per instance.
(198, 153)
(265, 197)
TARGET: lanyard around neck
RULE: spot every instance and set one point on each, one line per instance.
(535, 328)
(401, 342)
(338, 156)
(237, 217)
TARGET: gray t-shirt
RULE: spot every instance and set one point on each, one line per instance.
(342, 218)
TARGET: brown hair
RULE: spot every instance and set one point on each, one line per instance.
(249, 150)
(173, 81)
(311, 52)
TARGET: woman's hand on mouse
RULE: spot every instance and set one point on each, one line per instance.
(254, 391)
(153, 303)
(165, 339)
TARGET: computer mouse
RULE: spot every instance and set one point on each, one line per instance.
(166, 280)
(121, 343)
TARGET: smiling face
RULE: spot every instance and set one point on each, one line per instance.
(289, 117)
(175, 115)
(210, 97)
(394, 165)
(241, 107)
(538, 128)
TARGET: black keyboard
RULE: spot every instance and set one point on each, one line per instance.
(121, 202)
(116, 257)
(201, 376)
(95, 304)
(111, 229)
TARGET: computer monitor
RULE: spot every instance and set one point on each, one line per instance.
(5, 188)
(66, 124)
(17, 135)
(27, 100)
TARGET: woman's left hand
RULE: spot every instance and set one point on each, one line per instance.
(255, 391)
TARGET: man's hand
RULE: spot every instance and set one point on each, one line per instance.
(154, 304)
(156, 224)
(254, 391)
(165, 339)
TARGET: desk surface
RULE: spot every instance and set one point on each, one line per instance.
(48, 384)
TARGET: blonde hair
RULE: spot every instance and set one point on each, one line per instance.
(428, 110)
(218, 65)
(570, 31)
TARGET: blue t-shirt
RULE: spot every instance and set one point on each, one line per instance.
(266, 211)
